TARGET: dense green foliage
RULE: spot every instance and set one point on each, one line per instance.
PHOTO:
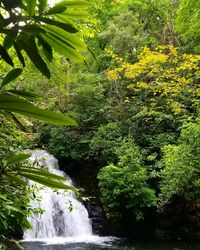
(187, 24)
(181, 173)
(126, 183)
(132, 102)
(135, 99)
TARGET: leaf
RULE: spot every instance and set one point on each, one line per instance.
(41, 172)
(33, 54)
(10, 39)
(63, 48)
(73, 14)
(3, 197)
(16, 179)
(42, 5)
(13, 208)
(17, 121)
(3, 22)
(30, 7)
(17, 158)
(65, 26)
(55, 10)
(9, 4)
(21, 106)
(19, 54)
(74, 4)
(11, 76)
(46, 181)
(47, 49)
(24, 94)
(73, 40)
(32, 28)
(5, 56)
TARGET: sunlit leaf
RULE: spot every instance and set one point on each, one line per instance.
(63, 48)
(30, 7)
(56, 9)
(24, 94)
(71, 39)
(41, 172)
(47, 181)
(34, 55)
(17, 158)
(42, 5)
(21, 106)
(65, 26)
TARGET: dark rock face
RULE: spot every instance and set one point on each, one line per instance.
(99, 224)
(84, 175)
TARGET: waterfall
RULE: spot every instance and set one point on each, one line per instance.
(57, 220)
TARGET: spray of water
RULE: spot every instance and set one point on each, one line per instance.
(57, 220)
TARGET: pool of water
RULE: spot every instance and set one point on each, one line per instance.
(106, 243)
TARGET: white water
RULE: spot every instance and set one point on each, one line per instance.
(57, 222)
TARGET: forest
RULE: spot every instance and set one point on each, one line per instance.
(111, 88)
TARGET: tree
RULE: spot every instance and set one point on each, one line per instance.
(124, 187)
(180, 176)
(187, 24)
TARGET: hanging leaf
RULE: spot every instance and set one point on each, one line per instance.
(47, 49)
(11, 76)
(5, 56)
(34, 55)
(16, 179)
(73, 14)
(9, 4)
(3, 22)
(30, 7)
(17, 158)
(55, 10)
(24, 94)
(74, 4)
(10, 39)
(63, 48)
(42, 5)
(18, 123)
(47, 181)
(32, 28)
(41, 172)
(71, 39)
(21, 106)
(19, 54)
(65, 26)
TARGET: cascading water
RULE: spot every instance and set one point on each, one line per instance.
(57, 220)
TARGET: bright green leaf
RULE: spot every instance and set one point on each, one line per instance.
(20, 106)
(18, 158)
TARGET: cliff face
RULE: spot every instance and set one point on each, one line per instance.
(84, 175)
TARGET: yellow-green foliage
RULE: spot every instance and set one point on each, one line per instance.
(163, 72)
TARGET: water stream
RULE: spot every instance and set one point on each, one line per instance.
(64, 215)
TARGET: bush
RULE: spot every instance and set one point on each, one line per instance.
(124, 187)
(180, 176)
